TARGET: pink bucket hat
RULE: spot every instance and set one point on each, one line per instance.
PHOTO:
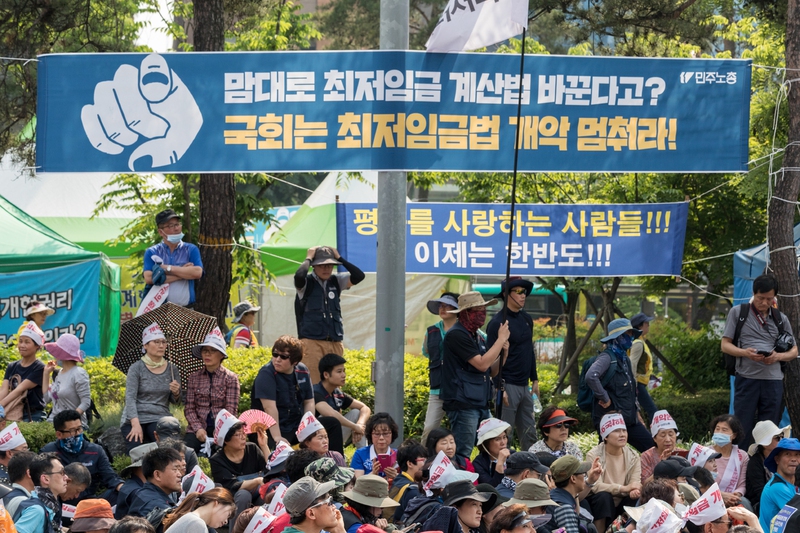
(66, 348)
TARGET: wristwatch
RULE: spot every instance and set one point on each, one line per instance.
(169, 268)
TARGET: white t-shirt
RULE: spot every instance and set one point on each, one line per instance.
(189, 523)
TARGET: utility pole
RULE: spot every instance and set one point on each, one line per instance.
(391, 259)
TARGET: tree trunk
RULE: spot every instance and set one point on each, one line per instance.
(571, 337)
(217, 212)
(706, 309)
(781, 214)
(217, 191)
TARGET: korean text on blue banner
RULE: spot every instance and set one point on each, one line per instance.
(72, 291)
(600, 240)
(389, 110)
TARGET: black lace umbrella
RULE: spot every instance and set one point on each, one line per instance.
(184, 329)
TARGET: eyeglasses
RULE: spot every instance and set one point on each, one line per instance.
(382, 434)
(61, 472)
(174, 225)
(281, 355)
(72, 432)
(547, 477)
(518, 291)
(327, 501)
(561, 425)
(721, 522)
(160, 342)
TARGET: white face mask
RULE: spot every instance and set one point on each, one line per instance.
(175, 239)
(680, 509)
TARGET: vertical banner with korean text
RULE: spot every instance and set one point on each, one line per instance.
(72, 291)
(389, 110)
(588, 240)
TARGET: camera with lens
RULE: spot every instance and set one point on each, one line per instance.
(784, 343)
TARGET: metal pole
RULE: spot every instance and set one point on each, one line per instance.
(391, 253)
(501, 388)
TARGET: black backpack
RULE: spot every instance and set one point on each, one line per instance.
(156, 517)
(744, 310)
(585, 394)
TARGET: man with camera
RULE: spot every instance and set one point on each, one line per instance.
(765, 340)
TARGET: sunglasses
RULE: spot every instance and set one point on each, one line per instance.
(281, 355)
(561, 425)
(326, 501)
(519, 291)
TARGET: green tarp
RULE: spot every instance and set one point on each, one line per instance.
(26, 244)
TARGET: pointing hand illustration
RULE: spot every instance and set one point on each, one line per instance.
(149, 103)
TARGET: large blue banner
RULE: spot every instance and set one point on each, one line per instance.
(591, 240)
(72, 291)
(389, 110)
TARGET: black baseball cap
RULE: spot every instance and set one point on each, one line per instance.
(519, 461)
(673, 470)
(165, 215)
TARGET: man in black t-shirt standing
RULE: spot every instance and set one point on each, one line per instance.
(520, 368)
(330, 401)
(283, 389)
(468, 365)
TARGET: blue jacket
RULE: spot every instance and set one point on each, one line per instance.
(93, 457)
(777, 492)
(125, 497)
(147, 498)
(33, 517)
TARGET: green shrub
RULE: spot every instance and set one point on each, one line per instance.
(548, 377)
(37, 434)
(7, 355)
(107, 382)
(205, 465)
(694, 413)
(120, 462)
(359, 385)
(694, 353)
(246, 362)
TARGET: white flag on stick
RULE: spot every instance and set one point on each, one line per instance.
(472, 24)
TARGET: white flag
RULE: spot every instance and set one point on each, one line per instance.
(707, 508)
(472, 24)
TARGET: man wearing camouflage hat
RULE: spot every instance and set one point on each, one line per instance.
(311, 508)
(317, 307)
(326, 469)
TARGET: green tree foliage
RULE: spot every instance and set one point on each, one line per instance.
(33, 27)
(354, 24)
(180, 192)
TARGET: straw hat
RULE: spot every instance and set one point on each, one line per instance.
(468, 300)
